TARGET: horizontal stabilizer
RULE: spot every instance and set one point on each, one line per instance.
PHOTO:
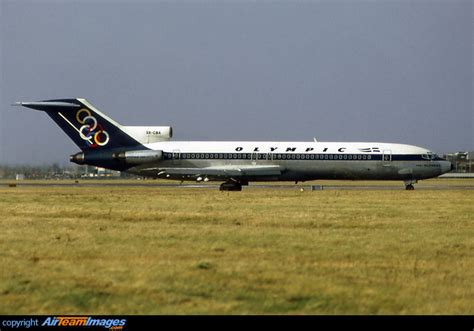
(47, 105)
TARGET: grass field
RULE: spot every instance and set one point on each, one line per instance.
(152, 250)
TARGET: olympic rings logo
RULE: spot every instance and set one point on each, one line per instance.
(91, 131)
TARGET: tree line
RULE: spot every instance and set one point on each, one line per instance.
(49, 171)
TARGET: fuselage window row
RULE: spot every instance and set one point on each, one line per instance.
(263, 156)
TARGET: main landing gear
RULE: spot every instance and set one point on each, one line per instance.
(409, 185)
(231, 186)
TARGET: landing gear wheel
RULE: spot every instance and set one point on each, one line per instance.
(409, 184)
(230, 186)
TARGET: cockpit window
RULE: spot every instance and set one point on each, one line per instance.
(430, 156)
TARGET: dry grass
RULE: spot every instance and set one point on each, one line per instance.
(144, 250)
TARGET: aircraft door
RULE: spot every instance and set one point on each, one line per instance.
(176, 156)
(387, 158)
(254, 158)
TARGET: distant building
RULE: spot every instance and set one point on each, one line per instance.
(20, 177)
(97, 172)
(462, 161)
(102, 172)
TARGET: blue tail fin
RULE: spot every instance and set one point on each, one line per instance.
(84, 124)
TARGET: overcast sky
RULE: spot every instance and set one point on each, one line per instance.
(385, 71)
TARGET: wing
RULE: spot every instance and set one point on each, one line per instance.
(229, 171)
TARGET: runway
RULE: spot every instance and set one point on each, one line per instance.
(304, 187)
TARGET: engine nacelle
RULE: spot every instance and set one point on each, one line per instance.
(138, 157)
(149, 134)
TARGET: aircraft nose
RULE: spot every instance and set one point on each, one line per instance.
(446, 166)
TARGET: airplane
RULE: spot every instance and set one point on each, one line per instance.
(149, 151)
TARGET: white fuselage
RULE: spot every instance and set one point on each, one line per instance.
(298, 161)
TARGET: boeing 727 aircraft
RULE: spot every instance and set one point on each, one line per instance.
(148, 151)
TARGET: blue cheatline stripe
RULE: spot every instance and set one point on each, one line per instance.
(293, 157)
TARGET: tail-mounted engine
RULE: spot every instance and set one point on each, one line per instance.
(138, 157)
(149, 134)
